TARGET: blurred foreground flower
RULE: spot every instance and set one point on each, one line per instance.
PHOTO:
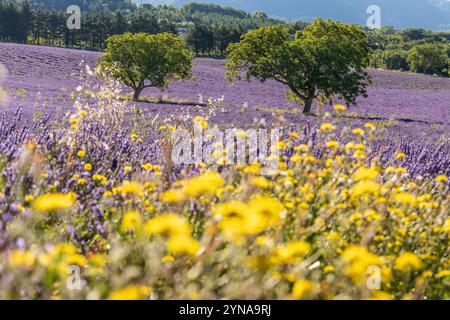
(53, 202)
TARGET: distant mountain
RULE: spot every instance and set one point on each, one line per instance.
(429, 14)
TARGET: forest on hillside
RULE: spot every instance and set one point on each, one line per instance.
(208, 29)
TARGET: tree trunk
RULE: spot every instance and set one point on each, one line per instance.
(137, 93)
(308, 105)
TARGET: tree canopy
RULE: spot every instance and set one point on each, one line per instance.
(326, 60)
(429, 59)
(146, 60)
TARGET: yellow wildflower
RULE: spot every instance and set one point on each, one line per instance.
(173, 196)
(260, 182)
(290, 252)
(446, 226)
(332, 144)
(363, 188)
(168, 224)
(357, 261)
(127, 169)
(131, 221)
(183, 244)
(381, 295)
(404, 198)
(132, 292)
(327, 127)
(206, 184)
(340, 107)
(53, 201)
(400, 155)
(443, 274)
(358, 132)
(19, 258)
(168, 259)
(407, 261)
(131, 188)
(81, 154)
(302, 288)
(366, 174)
(369, 126)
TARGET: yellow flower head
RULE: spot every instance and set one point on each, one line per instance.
(302, 148)
(127, 169)
(302, 288)
(131, 221)
(340, 107)
(364, 174)
(183, 244)
(131, 188)
(168, 259)
(405, 198)
(206, 184)
(260, 182)
(132, 292)
(81, 154)
(332, 144)
(291, 251)
(173, 196)
(327, 127)
(400, 155)
(294, 135)
(369, 126)
(19, 258)
(168, 224)
(81, 182)
(233, 209)
(53, 202)
(357, 260)
(358, 131)
(446, 226)
(407, 262)
(365, 187)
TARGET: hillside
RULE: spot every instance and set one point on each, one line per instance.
(430, 14)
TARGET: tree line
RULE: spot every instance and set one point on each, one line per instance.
(415, 50)
(208, 29)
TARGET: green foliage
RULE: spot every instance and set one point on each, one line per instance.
(415, 50)
(429, 59)
(201, 38)
(143, 60)
(85, 5)
(211, 27)
(326, 60)
(390, 59)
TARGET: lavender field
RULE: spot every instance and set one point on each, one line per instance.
(43, 77)
(86, 183)
(412, 110)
